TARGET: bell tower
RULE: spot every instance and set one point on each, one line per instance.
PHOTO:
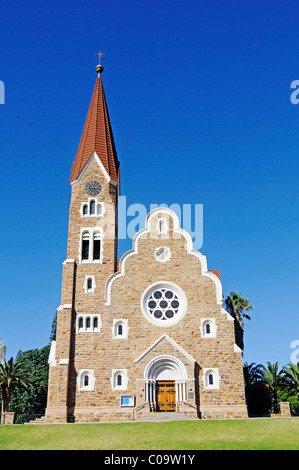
(91, 250)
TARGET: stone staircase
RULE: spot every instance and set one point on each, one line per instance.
(41, 420)
(163, 417)
(149, 418)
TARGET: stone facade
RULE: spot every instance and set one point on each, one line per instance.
(183, 350)
(112, 348)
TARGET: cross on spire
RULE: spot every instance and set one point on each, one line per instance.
(100, 55)
(99, 67)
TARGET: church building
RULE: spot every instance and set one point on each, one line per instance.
(143, 334)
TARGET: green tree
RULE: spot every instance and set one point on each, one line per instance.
(252, 373)
(53, 330)
(258, 398)
(238, 307)
(291, 378)
(12, 375)
(273, 379)
(32, 401)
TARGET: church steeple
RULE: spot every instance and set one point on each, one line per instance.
(97, 134)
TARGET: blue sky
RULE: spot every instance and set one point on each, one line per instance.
(199, 98)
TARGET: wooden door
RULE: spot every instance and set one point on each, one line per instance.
(165, 395)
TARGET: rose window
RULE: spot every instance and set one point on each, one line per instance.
(163, 304)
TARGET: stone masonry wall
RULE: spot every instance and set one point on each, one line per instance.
(101, 353)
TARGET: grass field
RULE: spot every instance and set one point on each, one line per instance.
(251, 434)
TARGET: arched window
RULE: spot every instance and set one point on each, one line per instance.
(89, 284)
(99, 209)
(211, 378)
(92, 207)
(119, 380)
(85, 246)
(86, 380)
(97, 246)
(120, 329)
(162, 226)
(88, 323)
(208, 327)
(91, 245)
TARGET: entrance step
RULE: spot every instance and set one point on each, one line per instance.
(41, 420)
(162, 417)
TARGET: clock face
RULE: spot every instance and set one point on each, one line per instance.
(92, 188)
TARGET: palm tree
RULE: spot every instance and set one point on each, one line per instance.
(236, 305)
(273, 379)
(257, 395)
(291, 378)
(12, 374)
(252, 373)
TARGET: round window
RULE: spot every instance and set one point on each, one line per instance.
(163, 304)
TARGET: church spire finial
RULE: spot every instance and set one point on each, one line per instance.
(97, 134)
(99, 67)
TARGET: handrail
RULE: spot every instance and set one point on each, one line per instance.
(140, 407)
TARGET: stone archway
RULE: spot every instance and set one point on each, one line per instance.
(165, 369)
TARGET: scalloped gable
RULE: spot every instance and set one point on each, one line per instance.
(190, 250)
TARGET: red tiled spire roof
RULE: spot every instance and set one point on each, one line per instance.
(97, 136)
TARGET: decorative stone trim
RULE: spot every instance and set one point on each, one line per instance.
(189, 247)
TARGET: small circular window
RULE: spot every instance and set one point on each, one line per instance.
(164, 304)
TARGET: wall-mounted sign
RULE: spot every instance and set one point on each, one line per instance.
(127, 400)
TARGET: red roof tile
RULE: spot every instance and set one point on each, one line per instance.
(215, 271)
(97, 136)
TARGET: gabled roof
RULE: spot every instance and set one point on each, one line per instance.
(171, 341)
(97, 136)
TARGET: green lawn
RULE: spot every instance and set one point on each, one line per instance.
(267, 434)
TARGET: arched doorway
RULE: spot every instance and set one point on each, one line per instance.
(165, 383)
